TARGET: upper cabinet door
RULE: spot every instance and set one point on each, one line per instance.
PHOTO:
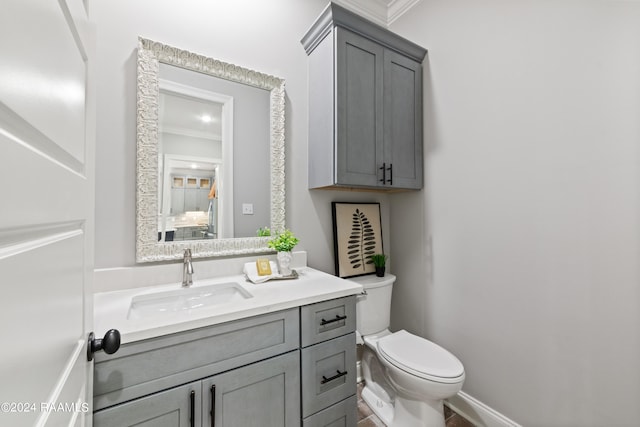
(359, 109)
(365, 105)
(402, 121)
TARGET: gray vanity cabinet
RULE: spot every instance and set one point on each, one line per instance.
(254, 364)
(264, 394)
(365, 105)
(283, 369)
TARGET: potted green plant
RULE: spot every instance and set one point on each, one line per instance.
(379, 262)
(284, 243)
(263, 232)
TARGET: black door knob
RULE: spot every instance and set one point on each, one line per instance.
(110, 343)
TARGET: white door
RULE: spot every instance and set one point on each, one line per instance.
(47, 139)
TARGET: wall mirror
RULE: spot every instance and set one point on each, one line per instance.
(210, 155)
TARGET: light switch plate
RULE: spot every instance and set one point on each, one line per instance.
(247, 209)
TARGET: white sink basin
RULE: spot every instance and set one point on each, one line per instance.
(186, 299)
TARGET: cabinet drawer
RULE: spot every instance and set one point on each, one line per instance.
(328, 373)
(148, 366)
(328, 319)
(342, 414)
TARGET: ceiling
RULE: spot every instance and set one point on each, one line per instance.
(184, 115)
(382, 12)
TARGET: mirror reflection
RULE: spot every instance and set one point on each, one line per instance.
(190, 162)
(210, 168)
(203, 122)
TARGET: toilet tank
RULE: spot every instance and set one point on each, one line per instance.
(373, 309)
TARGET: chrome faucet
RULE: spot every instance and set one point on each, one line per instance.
(187, 269)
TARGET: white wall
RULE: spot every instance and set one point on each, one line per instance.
(521, 256)
(261, 35)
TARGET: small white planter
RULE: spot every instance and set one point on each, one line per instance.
(284, 263)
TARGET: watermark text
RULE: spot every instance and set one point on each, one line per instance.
(24, 407)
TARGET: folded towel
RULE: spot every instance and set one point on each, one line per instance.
(251, 270)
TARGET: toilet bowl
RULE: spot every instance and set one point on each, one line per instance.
(406, 377)
(423, 374)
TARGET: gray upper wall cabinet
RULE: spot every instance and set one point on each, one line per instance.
(365, 105)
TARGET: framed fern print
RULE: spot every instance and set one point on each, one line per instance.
(357, 234)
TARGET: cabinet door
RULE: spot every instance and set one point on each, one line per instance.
(177, 201)
(202, 204)
(402, 121)
(190, 199)
(265, 394)
(176, 407)
(359, 132)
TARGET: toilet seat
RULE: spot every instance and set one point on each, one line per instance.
(420, 357)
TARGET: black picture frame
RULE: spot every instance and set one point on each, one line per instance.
(357, 234)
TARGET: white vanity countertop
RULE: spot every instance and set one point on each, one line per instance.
(111, 309)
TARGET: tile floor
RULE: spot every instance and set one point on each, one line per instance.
(366, 417)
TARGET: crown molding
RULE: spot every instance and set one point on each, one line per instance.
(397, 8)
(382, 12)
(335, 15)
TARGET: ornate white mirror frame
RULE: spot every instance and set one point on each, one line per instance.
(148, 249)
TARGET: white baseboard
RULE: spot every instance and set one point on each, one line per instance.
(477, 412)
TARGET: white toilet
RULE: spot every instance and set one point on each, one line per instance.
(406, 377)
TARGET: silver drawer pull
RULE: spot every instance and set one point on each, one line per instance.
(336, 319)
(335, 377)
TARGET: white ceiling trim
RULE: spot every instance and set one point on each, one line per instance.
(382, 12)
(183, 131)
(398, 7)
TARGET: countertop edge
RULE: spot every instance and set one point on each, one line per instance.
(314, 286)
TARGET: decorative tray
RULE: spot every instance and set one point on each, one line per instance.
(293, 275)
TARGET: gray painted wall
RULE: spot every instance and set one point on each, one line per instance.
(521, 257)
(263, 36)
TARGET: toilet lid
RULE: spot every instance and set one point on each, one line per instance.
(420, 357)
